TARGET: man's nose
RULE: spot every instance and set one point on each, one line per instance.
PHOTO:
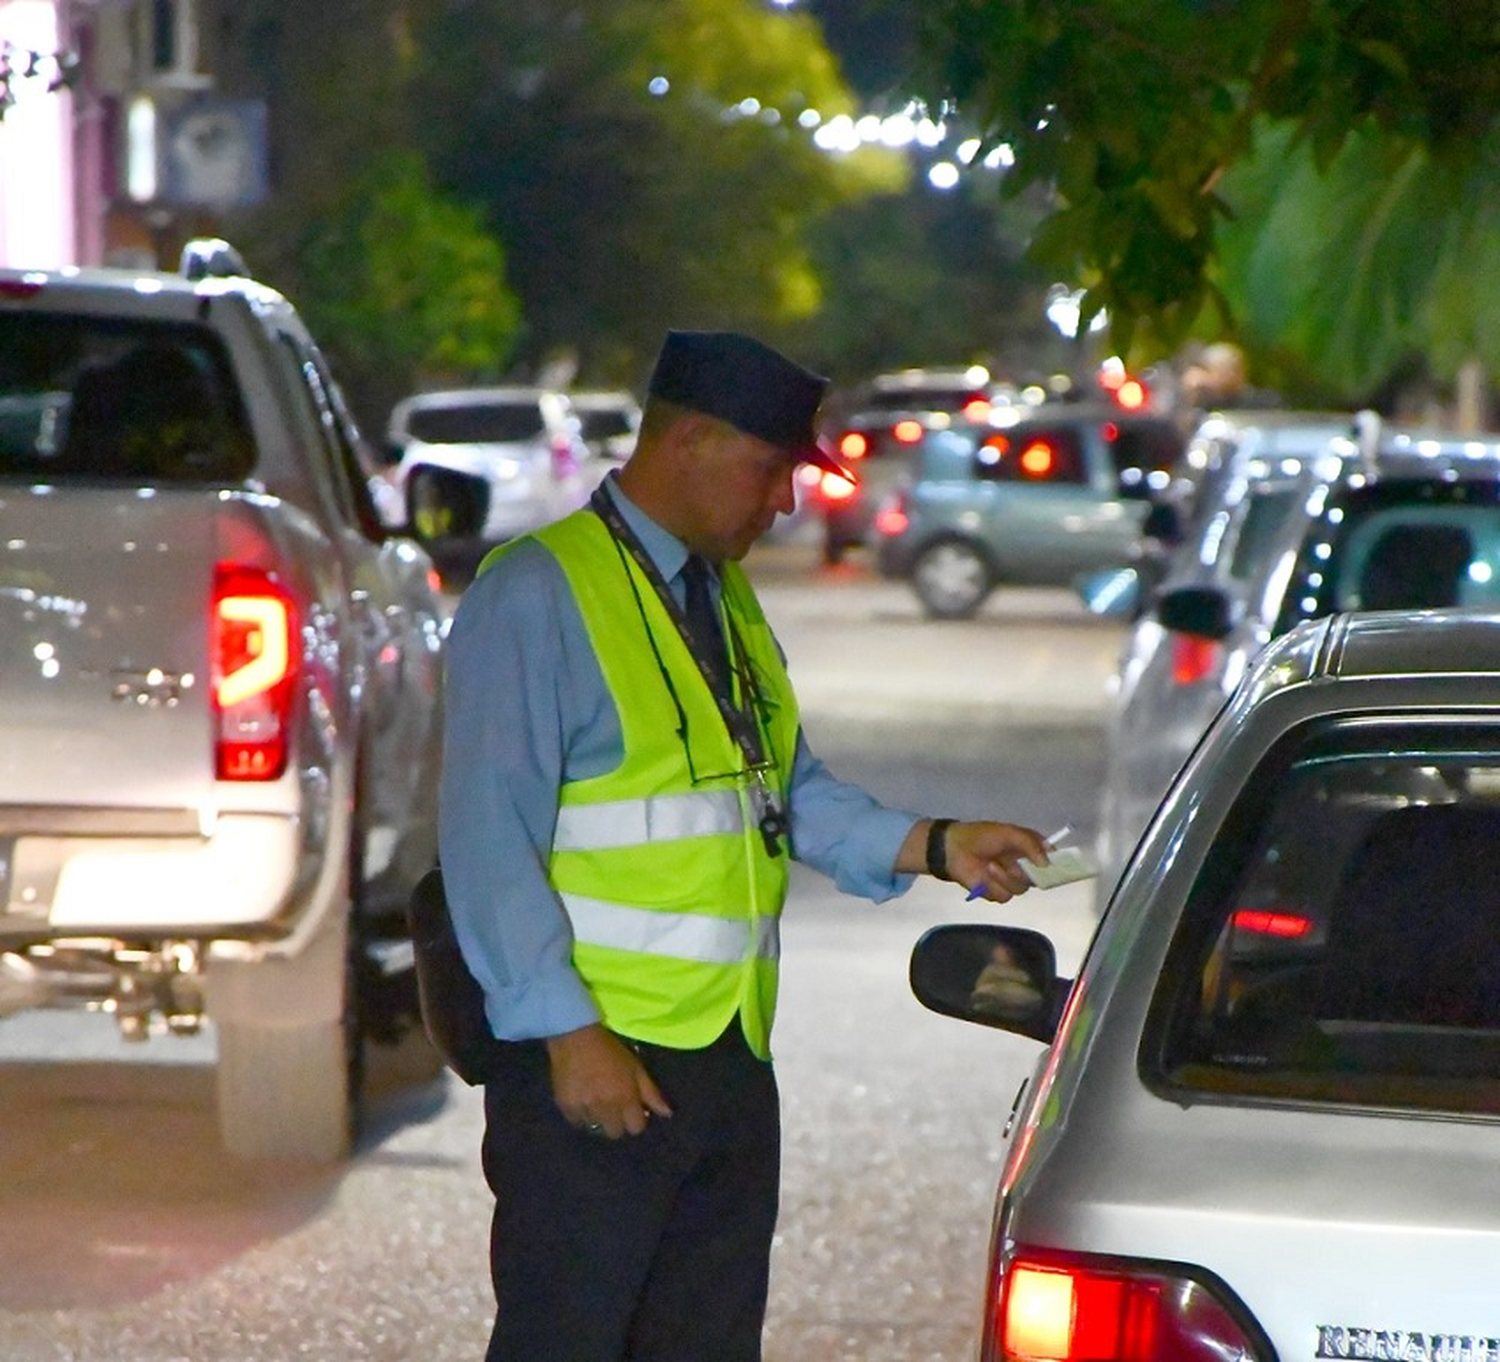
(784, 493)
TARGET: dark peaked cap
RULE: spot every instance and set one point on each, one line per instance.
(754, 388)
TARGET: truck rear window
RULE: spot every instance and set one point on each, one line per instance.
(88, 399)
(1343, 941)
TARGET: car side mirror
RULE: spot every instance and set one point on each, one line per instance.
(1205, 611)
(1004, 977)
(443, 504)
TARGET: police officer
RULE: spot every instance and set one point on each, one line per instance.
(625, 781)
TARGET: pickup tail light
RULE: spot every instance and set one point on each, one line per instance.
(253, 655)
(1078, 1308)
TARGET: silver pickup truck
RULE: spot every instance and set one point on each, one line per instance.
(220, 691)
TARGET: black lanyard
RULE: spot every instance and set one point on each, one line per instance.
(739, 717)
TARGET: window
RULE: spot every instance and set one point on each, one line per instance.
(96, 398)
(1342, 943)
(1033, 453)
(476, 423)
(1144, 453)
(1399, 545)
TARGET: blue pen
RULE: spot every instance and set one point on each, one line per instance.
(1052, 840)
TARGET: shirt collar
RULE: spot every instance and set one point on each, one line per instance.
(663, 547)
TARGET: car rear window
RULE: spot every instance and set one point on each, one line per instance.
(1399, 545)
(1342, 943)
(476, 423)
(1037, 453)
(85, 398)
(1144, 453)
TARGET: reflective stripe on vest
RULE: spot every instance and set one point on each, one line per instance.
(678, 936)
(634, 822)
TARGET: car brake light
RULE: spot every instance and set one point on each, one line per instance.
(1077, 1308)
(1193, 658)
(908, 432)
(891, 517)
(977, 409)
(835, 488)
(854, 444)
(1269, 922)
(253, 659)
(1131, 394)
(1037, 459)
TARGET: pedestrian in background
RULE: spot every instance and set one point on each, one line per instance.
(625, 782)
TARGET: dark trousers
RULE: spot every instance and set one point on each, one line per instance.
(650, 1248)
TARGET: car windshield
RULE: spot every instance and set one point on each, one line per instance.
(603, 423)
(476, 423)
(86, 398)
(1406, 544)
(1342, 943)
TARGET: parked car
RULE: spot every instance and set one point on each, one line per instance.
(880, 452)
(514, 457)
(1267, 1101)
(220, 692)
(608, 422)
(1035, 495)
(1306, 521)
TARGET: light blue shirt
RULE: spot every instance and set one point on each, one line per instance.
(527, 709)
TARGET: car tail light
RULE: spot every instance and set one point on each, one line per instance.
(1037, 459)
(907, 431)
(835, 488)
(254, 662)
(892, 519)
(977, 409)
(1271, 922)
(1193, 658)
(1078, 1308)
(854, 444)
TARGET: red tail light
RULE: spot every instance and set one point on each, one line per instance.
(854, 444)
(977, 409)
(254, 659)
(1077, 1308)
(1270, 922)
(1131, 394)
(835, 488)
(891, 519)
(1193, 658)
(1037, 459)
(908, 432)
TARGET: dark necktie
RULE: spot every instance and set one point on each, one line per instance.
(702, 617)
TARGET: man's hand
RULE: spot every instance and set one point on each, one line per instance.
(980, 855)
(600, 1084)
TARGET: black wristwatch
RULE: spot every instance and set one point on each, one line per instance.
(937, 847)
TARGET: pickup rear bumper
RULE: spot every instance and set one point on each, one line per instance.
(242, 877)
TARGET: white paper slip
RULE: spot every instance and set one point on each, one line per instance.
(1064, 865)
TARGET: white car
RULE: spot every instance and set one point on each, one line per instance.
(1267, 1114)
(515, 455)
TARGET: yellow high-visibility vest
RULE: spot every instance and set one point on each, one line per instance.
(673, 898)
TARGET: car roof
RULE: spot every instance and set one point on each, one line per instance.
(462, 397)
(134, 292)
(1414, 642)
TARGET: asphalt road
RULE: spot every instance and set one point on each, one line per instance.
(125, 1236)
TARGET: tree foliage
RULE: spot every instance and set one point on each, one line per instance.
(642, 160)
(1134, 112)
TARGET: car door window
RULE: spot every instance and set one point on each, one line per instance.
(1144, 453)
(1047, 455)
(1342, 943)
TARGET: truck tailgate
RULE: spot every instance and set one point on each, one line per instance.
(104, 637)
